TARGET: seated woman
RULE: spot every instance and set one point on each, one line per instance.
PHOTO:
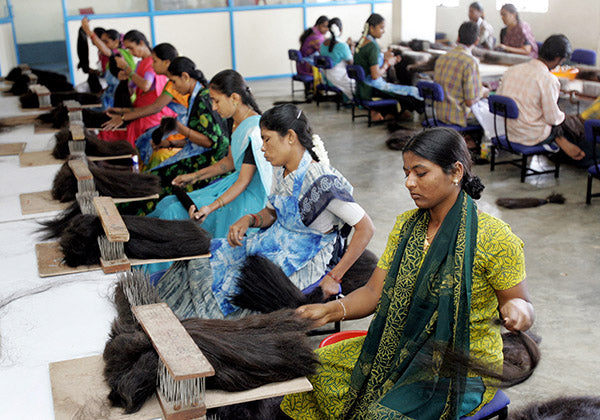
(243, 191)
(108, 44)
(340, 55)
(375, 64)
(516, 37)
(486, 31)
(307, 204)
(310, 43)
(204, 134)
(446, 271)
(162, 55)
(144, 82)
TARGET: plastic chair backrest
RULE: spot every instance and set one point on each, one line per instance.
(583, 56)
(356, 72)
(431, 90)
(323, 62)
(294, 55)
(503, 106)
(340, 336)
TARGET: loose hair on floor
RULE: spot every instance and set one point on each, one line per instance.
(109, 182)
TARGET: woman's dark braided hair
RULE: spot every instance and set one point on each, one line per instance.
(165, 51)
(229, 82)
(337, 22)
(289, 117)
(444, 147)
(137, 37)
(183, 64)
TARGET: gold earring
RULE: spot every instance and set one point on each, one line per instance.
(291, 142)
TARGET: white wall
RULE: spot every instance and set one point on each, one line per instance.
(185, 31)
(577, 19)
(38, 20)
(122, 25)
(413, 19)
(262, 39)
(8, 56)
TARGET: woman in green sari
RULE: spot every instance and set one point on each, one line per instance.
(446, 271)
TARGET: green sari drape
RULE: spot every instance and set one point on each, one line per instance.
(421, 314)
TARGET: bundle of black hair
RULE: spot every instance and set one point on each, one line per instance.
(58, 117)
(93, 145)
(55, 82)
(31, 100)
(527, 202)
(166, 126)
(245, 354)
(109, 182)
(264, 287)
(149, 238)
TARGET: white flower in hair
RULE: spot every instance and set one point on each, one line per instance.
(319, 149)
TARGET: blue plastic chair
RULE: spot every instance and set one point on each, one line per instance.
(592, 134)
(295, 56)
(323, 89)
(497, 407)
(433, 92)
(357, 73)
(506, 108)
(583, 56)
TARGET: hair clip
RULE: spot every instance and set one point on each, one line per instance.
(299, 113)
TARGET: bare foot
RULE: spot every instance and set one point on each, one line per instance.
(330, 286)
(572, 150)
(376, 116)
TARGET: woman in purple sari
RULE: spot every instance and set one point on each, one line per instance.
(310, 43)
(516, 37)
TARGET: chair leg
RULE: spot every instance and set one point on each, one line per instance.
(493, 159)
(523, 167)
(588, 195)
(353, 116)
(292, 88)
(369, 117)
(557, 169)
(503, 413)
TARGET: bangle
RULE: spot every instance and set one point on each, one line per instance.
(254, 220)
(260, 223)
(334, 277)
(343, 308)
(220, 202)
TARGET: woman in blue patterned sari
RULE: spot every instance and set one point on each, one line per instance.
(309, 201)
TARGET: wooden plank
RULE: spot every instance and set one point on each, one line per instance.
(80, 169)
(77, 131)
(20, 119)
(111, 220)
(79, 391)
(41, 158)
(175, 347)
(100, 158)
(50, 257)
(50, 261)
(183, 412)
(132, 199)
(40, 128)
(40, 202)
(8, 149)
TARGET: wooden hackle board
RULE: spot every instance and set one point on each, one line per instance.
(41, 158)
(50, 261)
(8, 149)
(79, 391)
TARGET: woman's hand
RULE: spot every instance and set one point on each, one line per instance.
(116, 121)
(517, 314)
(122, 75)
(238, 230)
(183, 180)
(319, 313)
(85, 25)
(121, 63)
(116, 111)
(201, 214)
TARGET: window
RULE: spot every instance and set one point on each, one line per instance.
(448, 3)
(536, 6)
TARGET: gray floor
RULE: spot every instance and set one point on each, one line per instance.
(562, 242)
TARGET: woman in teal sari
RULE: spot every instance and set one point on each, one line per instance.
(243, 191)
(446, 271)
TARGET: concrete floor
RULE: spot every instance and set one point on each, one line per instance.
(562, 249)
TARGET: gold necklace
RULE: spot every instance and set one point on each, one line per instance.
(243, 118)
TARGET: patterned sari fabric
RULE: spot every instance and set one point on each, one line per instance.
(519, 35)
(193, 158)
(498, 264)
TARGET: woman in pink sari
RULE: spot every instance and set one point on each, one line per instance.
(310, 43)
(147, 84)
(516, 37)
